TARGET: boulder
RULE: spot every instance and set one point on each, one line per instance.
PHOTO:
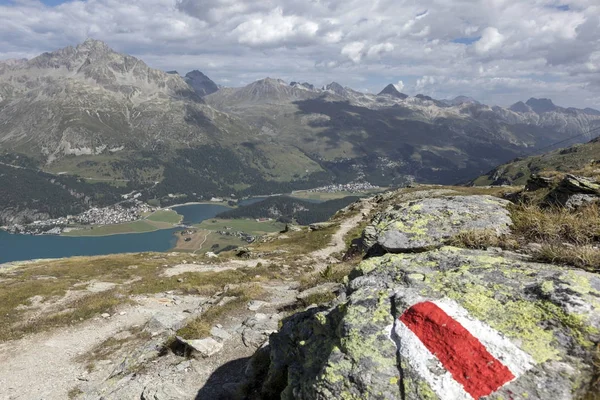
(537, 182)
(574, 191)
(428, 223)
(443, 325)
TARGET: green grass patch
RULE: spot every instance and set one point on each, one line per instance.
(241, 225)
(300, 242)
(168, 216)
(116, 229)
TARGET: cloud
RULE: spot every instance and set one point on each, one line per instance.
(353, 51)
(490, 39)
(399, 86)
(275, 29)
(445, 48)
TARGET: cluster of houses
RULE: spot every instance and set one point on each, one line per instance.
(352, 187)
(239, 234)
(115, 214)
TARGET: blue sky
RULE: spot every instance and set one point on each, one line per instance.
(485, 49)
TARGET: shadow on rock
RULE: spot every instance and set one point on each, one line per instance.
(224, 383)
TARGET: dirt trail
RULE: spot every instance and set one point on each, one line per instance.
(338, 243)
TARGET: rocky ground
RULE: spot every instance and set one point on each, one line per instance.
(134, 351)
(317, 314)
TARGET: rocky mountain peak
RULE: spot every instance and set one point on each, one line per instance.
(201, 83)
(337, 89)
(424, 97)
(303, 85)
(541, 105)
(94, 46)
(271, 82)
(392, 91)
(520, 107)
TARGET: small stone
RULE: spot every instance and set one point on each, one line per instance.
(203, 347)
(255, 305)
(105, 315)
(220, 333)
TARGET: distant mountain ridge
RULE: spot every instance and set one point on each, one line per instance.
(100, 114)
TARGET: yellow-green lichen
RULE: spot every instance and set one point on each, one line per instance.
(547, 287)
(382, 313)
(321, 318)
(336, 372)
(578, 282)
(425, 392)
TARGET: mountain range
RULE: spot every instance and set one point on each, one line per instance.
(109, 117)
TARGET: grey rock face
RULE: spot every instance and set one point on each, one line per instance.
(427, 223)
(550, 314)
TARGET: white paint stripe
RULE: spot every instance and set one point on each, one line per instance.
(425, 364)
(496, 344)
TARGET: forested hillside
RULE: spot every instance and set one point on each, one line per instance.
(286, 209)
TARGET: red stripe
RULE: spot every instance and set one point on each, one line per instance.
(461, 353)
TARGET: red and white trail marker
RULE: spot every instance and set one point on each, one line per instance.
(461, 358)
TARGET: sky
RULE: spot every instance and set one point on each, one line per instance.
(497, 51)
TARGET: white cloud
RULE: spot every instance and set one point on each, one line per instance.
(425, 44)
(276, 29)
(399, 86)
(490, 39)
(379, 49)
(353, 51)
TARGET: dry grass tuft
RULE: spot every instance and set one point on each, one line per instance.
(585, 257)
(482, 239)
(333, 273)
(318, 299)
(566, 237)
(557, 224)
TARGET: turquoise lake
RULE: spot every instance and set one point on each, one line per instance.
(27, 247)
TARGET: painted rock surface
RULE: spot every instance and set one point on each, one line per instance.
(448, 324)
(428, 223)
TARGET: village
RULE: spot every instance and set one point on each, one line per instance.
(352, 187)
(129, 211)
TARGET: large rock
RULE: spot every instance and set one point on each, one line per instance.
(574, 192)
(428, 223)
(541, 321)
